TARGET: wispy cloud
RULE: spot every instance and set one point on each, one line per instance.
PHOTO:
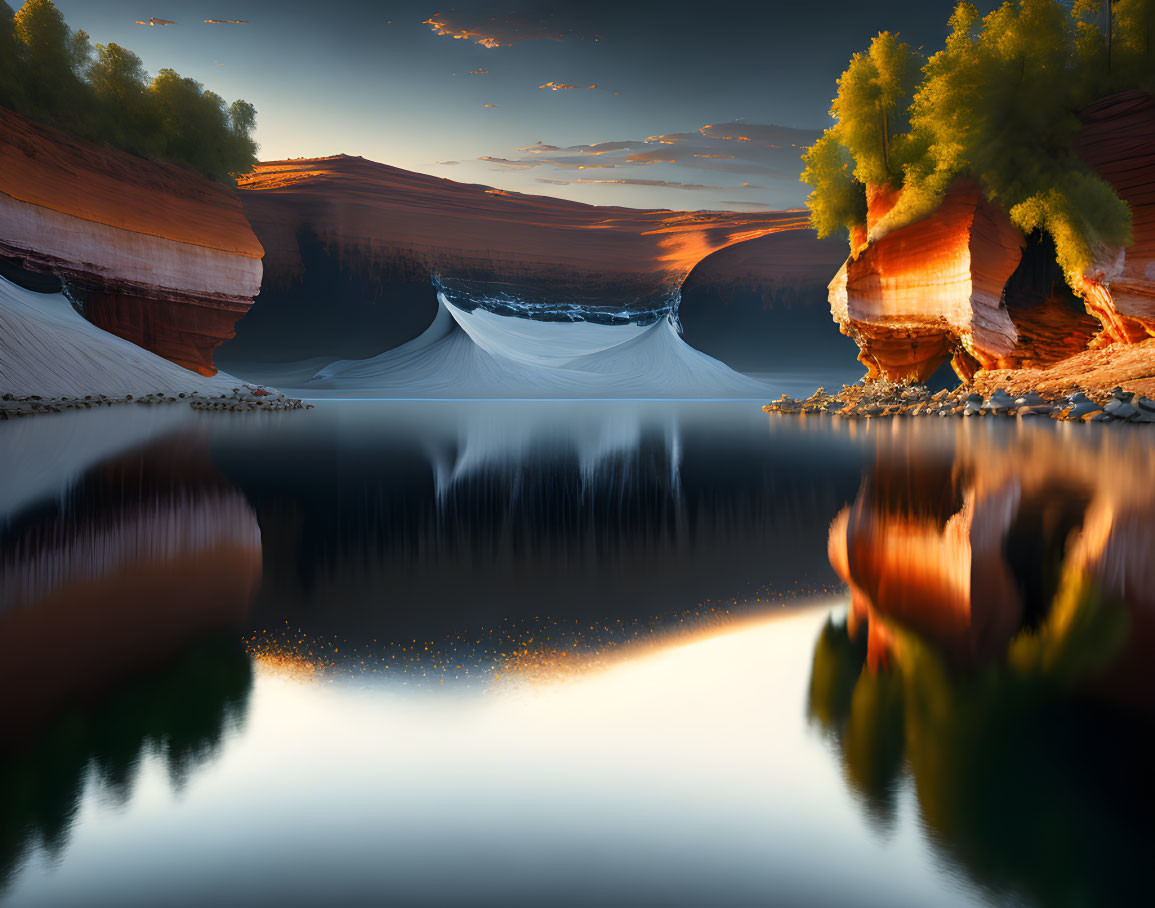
(663, 184)
(494, 32)
(741, 149)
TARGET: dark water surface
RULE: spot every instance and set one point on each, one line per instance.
(542, 653)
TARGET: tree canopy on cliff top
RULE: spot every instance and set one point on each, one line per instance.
(999, 104)
(53, 74)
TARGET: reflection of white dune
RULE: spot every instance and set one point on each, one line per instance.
(482, 355)
(594, 435)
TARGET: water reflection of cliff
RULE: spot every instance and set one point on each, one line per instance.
(120, 601)
(996, 655)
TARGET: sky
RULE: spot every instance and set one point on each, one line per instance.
(672, 105)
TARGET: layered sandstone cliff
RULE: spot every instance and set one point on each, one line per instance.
(352, 249)
(150, 252)
(1118, 141)
(964, 285)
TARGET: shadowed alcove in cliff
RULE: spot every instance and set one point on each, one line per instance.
(761, 305)
(333, 307)
(1051, 321)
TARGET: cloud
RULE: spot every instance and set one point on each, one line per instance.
(489, 105)
(493, 32)
(226, 21)
(558, 86)
(479, 72)
(447, 163)
(663, 184)
(506, 162)
(739, 149)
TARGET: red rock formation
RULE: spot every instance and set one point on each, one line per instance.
(938, 289)
(157, 254)
(384, 227)
(1118, 141)
(916, 296)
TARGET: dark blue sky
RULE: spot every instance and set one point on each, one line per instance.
(374, 79)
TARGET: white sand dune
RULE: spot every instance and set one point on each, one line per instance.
(480, 354)
(47, 348)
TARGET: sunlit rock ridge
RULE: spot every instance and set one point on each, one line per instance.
(964, 285)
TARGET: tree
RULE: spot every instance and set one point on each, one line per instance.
(120, 86)
(50, 56)
(838, 200)
(50, 73)
(197, 131)
(11, 60)
(873, 94)
(999, 104)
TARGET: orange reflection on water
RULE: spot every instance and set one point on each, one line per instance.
(535, 651)
(973, 539)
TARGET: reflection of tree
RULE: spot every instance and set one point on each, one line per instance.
(180, 716)
(996, 656)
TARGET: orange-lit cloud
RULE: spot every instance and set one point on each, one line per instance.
(479, 72)
(558, 86)
(493, 32)
(506, 162)
(489, 105)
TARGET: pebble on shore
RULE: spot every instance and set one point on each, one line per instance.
(242, 399)
(882, 398)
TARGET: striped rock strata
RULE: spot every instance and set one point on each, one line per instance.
(153, 253)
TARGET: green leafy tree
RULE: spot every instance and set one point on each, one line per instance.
(50, 57)
(120, 86)
(53, 74)
(838, 201)
(873, 94)
(11, 54)
(1115, 45)
(999, 104)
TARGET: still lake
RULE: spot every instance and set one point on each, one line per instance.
(573, 653)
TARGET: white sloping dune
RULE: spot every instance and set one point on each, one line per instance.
(482, 355)
(47, 348)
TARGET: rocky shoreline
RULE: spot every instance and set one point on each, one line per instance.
(886, 399)
(244, 398)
